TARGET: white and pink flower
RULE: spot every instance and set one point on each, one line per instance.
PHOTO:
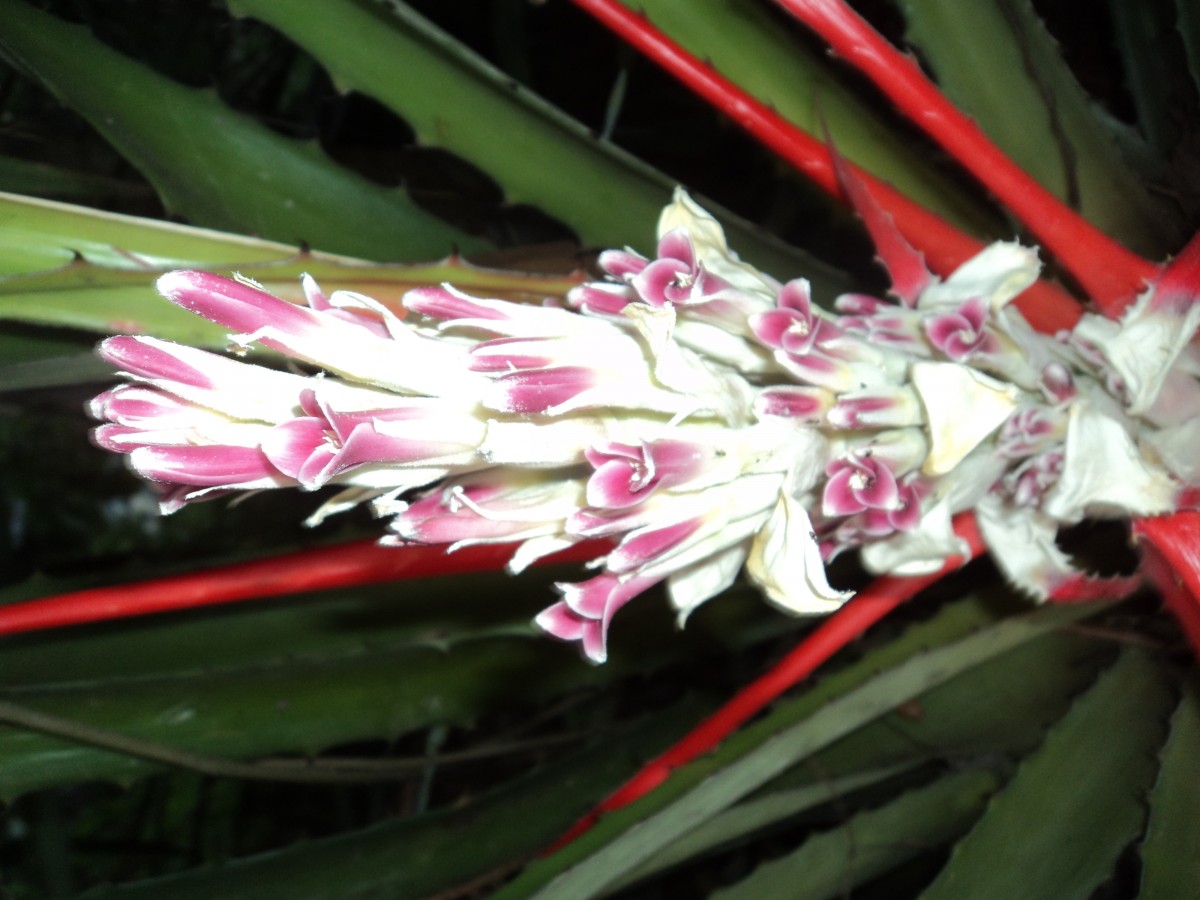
(701, 415)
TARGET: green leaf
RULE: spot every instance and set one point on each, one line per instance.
(370, 663)
(952, 623)
(453, 99)
(744, 43)
(873, 842)
(45, 180)
(1057, 828)
(746, 818)
(1028, 689)
(37, 235)
(417, 857)
(81, 268)
(1187, 21)
(21, 346)
(215, 166)
(715, 783)
(1016, 84)
(52, 371)
(1155, 70)
(1171, 849)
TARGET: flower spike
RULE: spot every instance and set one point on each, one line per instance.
(704, 418)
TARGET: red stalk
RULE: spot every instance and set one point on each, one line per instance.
(1109, 273)
(868, 607)
(1047, 307)
(1171, 560)
(342, 565)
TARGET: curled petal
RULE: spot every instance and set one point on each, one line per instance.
(626, 474)
(711, 249)
(785, 561)
(1022, 542)
(857, 483)
(601, 299)
(447, 304)
(960, 333)
(488, 508)
(997, 274)
(640, 548)
(622, 264)
(539, 391)
(587, 608)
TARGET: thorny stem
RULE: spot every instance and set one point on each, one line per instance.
(1047, 307)
(881, 597)
(1111, 274)
(342, 565)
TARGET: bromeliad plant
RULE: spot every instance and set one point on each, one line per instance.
(687, 417)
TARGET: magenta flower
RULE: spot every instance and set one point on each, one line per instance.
(793, 327)
(676, 276)
(858, 483)
(587, 609)
(625, 474)
(960, 333)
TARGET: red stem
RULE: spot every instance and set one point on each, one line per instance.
(342, 565)
(868, 607)
(1171, 559)
(1047, 307)
(1111, 274)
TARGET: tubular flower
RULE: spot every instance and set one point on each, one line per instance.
(697, 413)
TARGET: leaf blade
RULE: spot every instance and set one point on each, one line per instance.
(754, 767)
(466, 106)
(1018, 87)
(1087, 813)
(871, 843)
(1171, 849)
(214, 165)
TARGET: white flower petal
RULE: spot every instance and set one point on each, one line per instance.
(690, 587)
(534, 549)
(1022, 544)
(726, 347)
(919, 552)
(962, 407)
(1104, 473)
(543, 444)
(1143, 348)
(999, 272)
(1176, 448)
(785, 562)
(716, 390)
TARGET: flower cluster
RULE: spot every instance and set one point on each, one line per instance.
(696, 413)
